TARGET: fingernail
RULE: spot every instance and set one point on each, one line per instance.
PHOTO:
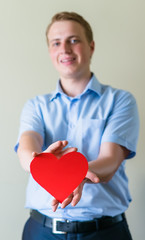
(97, 180)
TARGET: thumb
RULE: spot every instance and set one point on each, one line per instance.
(34, 154)
(92, 177)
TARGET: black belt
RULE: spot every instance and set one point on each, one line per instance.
(64, 226)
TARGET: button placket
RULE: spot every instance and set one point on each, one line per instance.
(72, 121)
(72, 114)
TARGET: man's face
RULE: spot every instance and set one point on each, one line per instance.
(69, 49)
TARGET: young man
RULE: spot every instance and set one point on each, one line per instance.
(97, 120)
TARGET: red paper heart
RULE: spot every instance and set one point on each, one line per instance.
(61, 176)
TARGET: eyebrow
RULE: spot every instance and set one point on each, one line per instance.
(58, 39)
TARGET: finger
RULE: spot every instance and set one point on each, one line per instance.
(54, 205)
(92, 177)
(70, 149)
(76, 199)
(54, 146)
(34, 154)
(58, 146)
(67, 201)
(77, 193)
(64, 142)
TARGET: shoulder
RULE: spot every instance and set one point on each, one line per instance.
(42, 98)
(39, 100)
(118, 96)
(37, 104)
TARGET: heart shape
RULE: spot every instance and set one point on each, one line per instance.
(61, 176)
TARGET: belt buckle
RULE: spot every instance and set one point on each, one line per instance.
(54, 225)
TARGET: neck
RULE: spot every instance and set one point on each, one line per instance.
(74, 87)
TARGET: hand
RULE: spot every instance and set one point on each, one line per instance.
(91, 177)
(56, 148)
(75, 196)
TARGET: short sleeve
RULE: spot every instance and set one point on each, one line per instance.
(31, 119)
(122, 126)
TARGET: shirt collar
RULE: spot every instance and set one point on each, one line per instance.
(93, 85)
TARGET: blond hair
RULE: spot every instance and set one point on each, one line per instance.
(72, 16)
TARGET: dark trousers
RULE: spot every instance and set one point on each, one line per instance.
(36, 231)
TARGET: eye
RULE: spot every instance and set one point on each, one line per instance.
(74, 41)
(56, 44)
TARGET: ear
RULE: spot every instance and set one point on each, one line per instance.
(92, 47)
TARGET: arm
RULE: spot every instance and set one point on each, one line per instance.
(30, 142)
(100, 170)
(30, 145)
(110, 157)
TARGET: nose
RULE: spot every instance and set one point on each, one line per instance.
(66, 47)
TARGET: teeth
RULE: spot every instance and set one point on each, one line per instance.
(67, 60)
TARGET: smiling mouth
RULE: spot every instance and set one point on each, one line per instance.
(68, 60)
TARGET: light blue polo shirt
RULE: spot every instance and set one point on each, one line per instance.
(99, 114)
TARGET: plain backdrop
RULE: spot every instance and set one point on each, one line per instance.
(26, 71)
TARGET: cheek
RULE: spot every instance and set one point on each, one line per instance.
(85, 56)
(83, 52)
(53, 56)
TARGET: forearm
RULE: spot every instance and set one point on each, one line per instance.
(29, 142)
(110, 157)
(103, 168)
